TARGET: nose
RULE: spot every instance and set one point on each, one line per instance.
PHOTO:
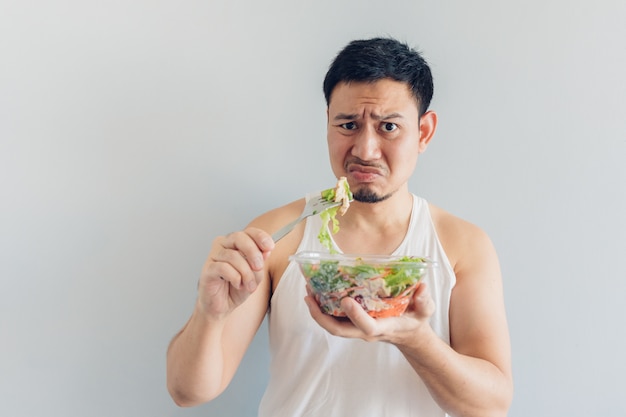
(366, 145)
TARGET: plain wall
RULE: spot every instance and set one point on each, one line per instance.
(134, 132)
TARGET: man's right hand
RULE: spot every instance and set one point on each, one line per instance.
(232, 271)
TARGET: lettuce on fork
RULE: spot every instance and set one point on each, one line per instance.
(341, 192)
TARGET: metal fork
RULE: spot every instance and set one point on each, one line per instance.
(313, 206)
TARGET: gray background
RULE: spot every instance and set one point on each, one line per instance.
(134, 132)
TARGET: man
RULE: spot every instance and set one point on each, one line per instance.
(448, 354)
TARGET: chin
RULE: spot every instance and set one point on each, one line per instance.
(365, 195)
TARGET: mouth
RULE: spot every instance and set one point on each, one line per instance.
(364, 173)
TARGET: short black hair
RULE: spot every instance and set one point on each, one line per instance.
(370, 60)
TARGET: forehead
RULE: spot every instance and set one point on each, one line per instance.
(385, 94)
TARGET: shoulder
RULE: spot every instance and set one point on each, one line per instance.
(464, 242)
(276, 218)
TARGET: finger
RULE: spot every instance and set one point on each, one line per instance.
(359, 317)
(263, 239)
(225, 271)
(222, 280)
(336, 326)
(324, 320)
(423, 303)
(314, 308)
(241, 251)
(421, 289)
(253, 245)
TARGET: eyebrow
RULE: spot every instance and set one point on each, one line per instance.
(345, 116)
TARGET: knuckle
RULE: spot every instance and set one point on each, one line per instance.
(369, 334)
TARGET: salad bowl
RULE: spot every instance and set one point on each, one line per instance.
(382, 285)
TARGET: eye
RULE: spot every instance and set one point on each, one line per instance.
(349, 126)
(389, 127)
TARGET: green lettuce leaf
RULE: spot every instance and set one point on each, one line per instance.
(329, 217)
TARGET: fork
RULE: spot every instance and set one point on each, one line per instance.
(313, 206)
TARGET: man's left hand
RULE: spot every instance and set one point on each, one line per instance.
(359, 324)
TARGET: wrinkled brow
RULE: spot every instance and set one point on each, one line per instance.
(345, 116)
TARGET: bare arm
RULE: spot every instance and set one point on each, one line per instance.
(233, 294)
(472, 377)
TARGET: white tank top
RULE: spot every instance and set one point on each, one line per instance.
(313, 373)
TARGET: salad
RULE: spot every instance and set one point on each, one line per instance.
(341, 192)
(382, 286)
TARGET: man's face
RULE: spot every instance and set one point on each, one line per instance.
(374, 137)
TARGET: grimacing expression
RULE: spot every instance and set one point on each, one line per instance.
(374, 136)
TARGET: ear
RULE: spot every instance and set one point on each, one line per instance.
(428, 125)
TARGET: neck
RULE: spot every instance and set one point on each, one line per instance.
(375, 228)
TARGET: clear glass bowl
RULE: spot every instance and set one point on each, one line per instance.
(382, 285)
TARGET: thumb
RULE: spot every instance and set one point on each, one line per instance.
(423, 303)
